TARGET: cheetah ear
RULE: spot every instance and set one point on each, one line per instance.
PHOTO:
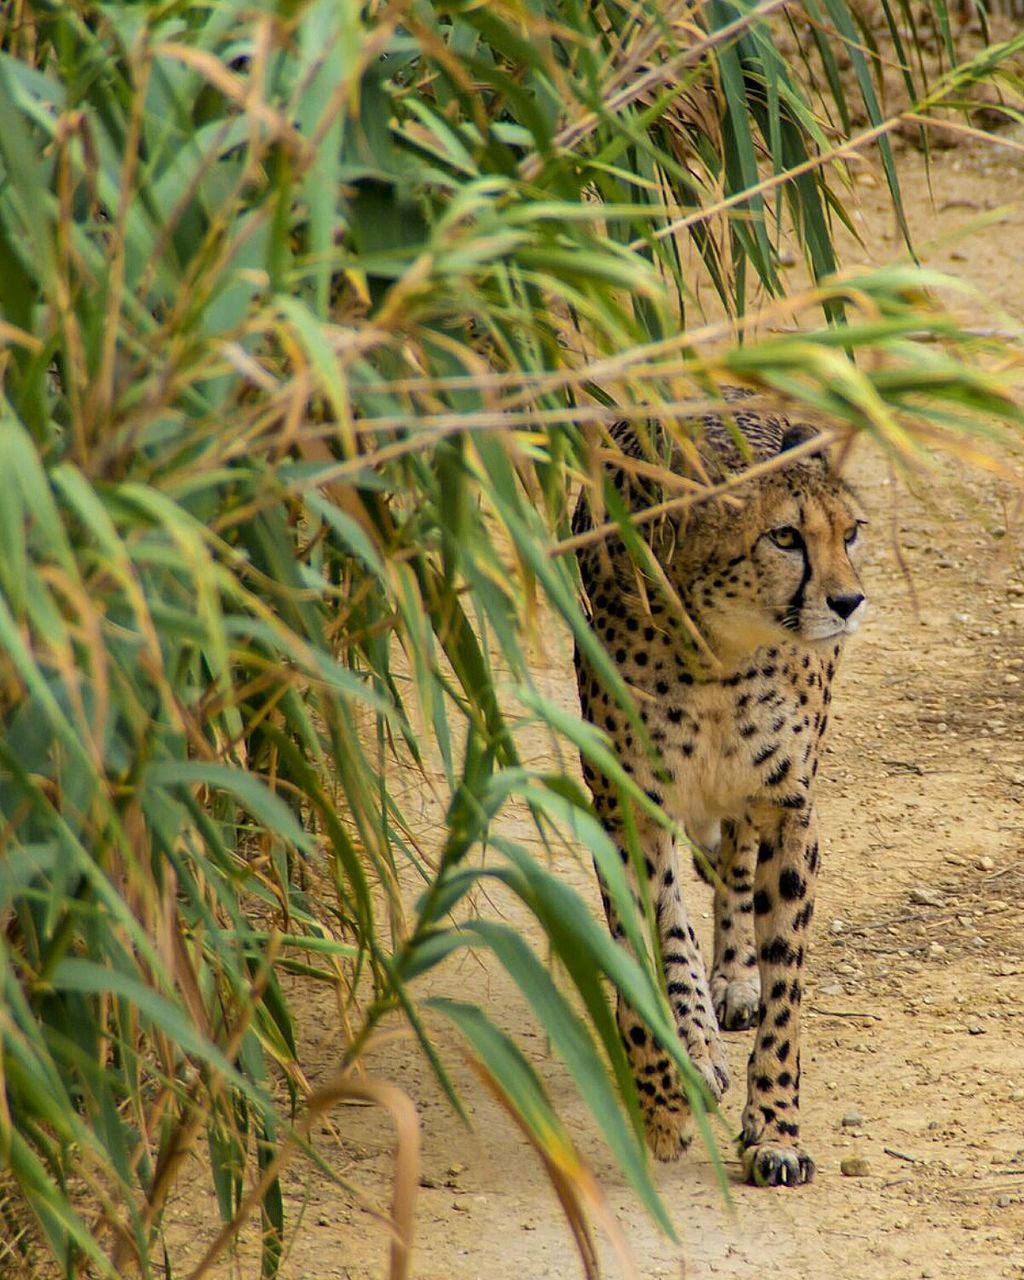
(799, 433)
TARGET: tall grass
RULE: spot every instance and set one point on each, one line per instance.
(311, 318)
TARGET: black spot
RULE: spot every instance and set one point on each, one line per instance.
(785, 1079)
(765, 852)
(782, 1052)
(778, 773)
(639, 1036)
(778, 990)
(763, 1083)
(762, 902)
(778, 951)
(792, 885)
(782, 1018)
(766, 753)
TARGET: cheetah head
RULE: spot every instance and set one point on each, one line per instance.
(783, 565)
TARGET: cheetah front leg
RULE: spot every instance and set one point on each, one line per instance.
(662, 1100)
(735, 986)
(787, 863)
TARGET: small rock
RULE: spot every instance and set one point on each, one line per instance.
(454, 1170)
(1017, 1095)
(927, 897)
(1004, 1201)
(852, 1119)
(427, 1181)
(838, 926)
(985, 863)
(935, 950)
(975, 1029)
(854, 1167)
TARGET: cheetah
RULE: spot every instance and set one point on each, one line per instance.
(732, 694)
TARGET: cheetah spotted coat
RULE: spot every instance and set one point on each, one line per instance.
(732, 691)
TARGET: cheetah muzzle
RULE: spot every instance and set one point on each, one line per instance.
(733, 691)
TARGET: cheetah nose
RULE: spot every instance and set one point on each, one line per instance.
(845, 605)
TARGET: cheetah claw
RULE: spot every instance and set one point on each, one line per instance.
(777, 1166)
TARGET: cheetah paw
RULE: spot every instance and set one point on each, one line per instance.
(736, 1003)
(669, 1133)
(777, 1166)
(714, 1074)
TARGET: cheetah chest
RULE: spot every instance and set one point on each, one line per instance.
(749, 737)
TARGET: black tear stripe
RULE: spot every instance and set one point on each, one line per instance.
(791, 616)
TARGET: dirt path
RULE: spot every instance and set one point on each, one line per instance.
(914, 1054)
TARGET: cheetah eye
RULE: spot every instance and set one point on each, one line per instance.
(852, 534)
(786, 538)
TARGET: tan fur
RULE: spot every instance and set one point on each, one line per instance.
(734, 731)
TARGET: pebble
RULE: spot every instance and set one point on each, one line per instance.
(838, 926)
(927, 897)
(975, 1029)
(1004, 1201)
(1017, 1095)
(936, 950)
(852, 1119)
(854, 1167)
(985, 863)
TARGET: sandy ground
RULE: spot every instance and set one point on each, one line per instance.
(914, 1040)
